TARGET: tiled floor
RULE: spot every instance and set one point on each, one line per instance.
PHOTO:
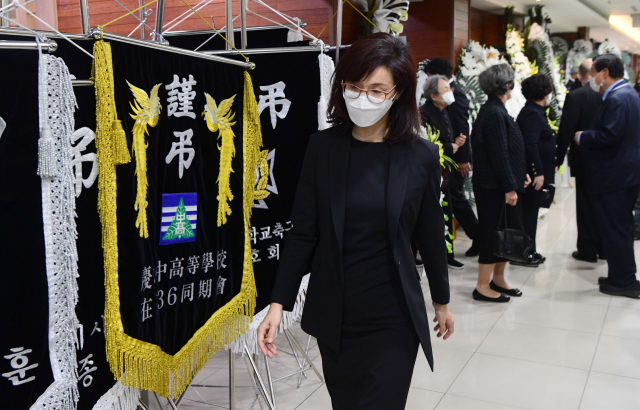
(562, 346)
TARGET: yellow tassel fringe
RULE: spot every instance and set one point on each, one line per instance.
(134, 362)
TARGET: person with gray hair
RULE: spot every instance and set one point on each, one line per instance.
(575, 81)
(439, 96)
(500, 173)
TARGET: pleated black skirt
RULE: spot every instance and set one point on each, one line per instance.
(373, 369)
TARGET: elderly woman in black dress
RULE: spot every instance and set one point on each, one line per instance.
(440, 96)
(540, 151)
(499, 177)
(366, 186)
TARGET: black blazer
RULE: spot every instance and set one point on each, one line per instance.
(539, 141)
(613, 143)
(459, 116)
(439, 119)
(413, 205)
(579, 110)
(498, 149)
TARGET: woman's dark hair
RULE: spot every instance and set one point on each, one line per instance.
(496, 80)
(363, 58)
(612, 62)
(440, 66)
(536, 87)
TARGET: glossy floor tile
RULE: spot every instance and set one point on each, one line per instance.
(562, 346)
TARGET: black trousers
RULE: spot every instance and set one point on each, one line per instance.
(373, 369)
(462, 210)
(589, 242)
(530, 210)
(614, 215)
(490, 204)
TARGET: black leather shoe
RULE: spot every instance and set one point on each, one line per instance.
(473, 251)
(500, 299)
(531, 262)
(585, 258)
(603, 280)
(539, 257)
(631, 291)
(510, 292)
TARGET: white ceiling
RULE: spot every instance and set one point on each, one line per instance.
(568, 15)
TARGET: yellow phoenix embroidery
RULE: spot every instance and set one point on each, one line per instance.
(219, 118)
(146, 111)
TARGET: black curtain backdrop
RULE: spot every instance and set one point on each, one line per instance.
(286, 143)
(24, 298)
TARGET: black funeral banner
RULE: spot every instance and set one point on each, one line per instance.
(24, 352)
(288, 89)
(183, 263)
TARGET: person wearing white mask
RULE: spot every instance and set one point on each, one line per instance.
(439, 96)
(540, 151)
(366, 186)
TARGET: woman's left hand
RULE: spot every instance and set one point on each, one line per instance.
(444, 318)
(528, 181)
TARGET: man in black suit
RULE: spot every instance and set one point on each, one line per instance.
(579, 110)
(575, 82)
(459, 115)
(613, 171)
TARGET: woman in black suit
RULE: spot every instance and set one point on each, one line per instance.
(499, 174)
(540, 150)
(366, 186)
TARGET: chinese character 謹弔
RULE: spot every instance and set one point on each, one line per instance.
(181, 96)
(19, 362)
(275, 97)
(180, 149)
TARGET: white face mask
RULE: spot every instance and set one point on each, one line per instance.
(448, 97)
(363, 112)
(592, 83)
(548, 102)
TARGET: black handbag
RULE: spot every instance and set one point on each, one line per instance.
(546, 196)
(511, 244)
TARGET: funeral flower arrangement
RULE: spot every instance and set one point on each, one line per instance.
(521, 66)
(548, 64)
(474, 59)
(387, 15)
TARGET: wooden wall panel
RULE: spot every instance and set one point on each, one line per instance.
(315, 13)
(486, 28)
(429, 29)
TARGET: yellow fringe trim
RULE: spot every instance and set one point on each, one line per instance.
(133, 362)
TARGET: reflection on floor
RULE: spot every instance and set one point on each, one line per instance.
(562, 346)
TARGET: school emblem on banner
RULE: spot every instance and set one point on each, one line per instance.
(179, 218)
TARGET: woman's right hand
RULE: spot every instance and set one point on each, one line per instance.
(511, 198)
(538, 182)
(456, 147)
(267, 330)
